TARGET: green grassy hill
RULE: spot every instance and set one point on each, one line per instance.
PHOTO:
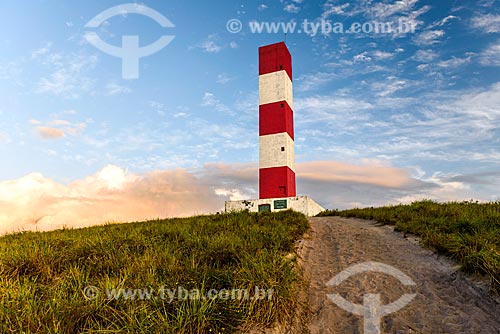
(468, 232)
(165, 276)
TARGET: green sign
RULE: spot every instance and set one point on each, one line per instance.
(264, 207)
(280, 204)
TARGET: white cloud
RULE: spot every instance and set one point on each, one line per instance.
(210, 44)
(486, 3)
(483, 106)
(262, 7)
(449, 127)
(330, 9)
(342, 109)
(425, 56)
(383, 10)
(209, 100)
(233, 194)
(42, 51)
(489, 23)
(447, 19)
(223, 78)
(491, 55)
(392, 12)
(158, 107)
(310, 82)
(362, 57)
(390, 86)
(382, 55)
(292, 8)
(429, 37)
(443, 21)
(453, 62)
(115, 89)
(422, 67)
(68, 78)
(10, 71)
(156, 104)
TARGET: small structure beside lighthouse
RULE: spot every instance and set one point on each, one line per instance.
(277, 186)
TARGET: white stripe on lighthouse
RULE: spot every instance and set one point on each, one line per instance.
(271, 153)
(275, 87)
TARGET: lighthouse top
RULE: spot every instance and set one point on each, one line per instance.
(275, 57)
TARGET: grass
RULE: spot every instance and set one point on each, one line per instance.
(468, 232)
(43, 276)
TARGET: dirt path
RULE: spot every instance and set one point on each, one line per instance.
(446, 301)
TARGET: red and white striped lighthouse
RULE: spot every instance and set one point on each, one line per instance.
(276, 153)
(276, 146)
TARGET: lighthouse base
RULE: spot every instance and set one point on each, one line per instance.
(303, 204)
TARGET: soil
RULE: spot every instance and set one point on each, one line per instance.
(446, 301)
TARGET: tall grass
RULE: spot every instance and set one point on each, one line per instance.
(468, 232)
(43, 276)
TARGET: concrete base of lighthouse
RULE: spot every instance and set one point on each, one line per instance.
(303, 204)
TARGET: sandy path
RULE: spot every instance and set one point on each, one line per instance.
(447, 301)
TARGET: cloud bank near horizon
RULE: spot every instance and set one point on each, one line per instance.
(113, 194)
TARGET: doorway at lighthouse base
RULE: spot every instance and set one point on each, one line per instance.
(303, 204)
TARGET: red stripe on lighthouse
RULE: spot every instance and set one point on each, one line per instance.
(276, 182)
(275, 57)
(275, 118)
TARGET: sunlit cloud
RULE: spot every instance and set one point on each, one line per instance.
(113, 194)
(58, 128)
(371, 172)
(50, 133)
(35, 202)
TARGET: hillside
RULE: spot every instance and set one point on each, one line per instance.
(206, 274)
(226, 272)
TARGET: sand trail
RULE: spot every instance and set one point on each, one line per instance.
(446, 301)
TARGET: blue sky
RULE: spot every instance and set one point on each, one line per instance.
(379, 118)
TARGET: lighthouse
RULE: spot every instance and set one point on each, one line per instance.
(277, 187)
(276, 138)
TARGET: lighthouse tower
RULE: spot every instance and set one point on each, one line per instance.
(277, 189)
(276, 146)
